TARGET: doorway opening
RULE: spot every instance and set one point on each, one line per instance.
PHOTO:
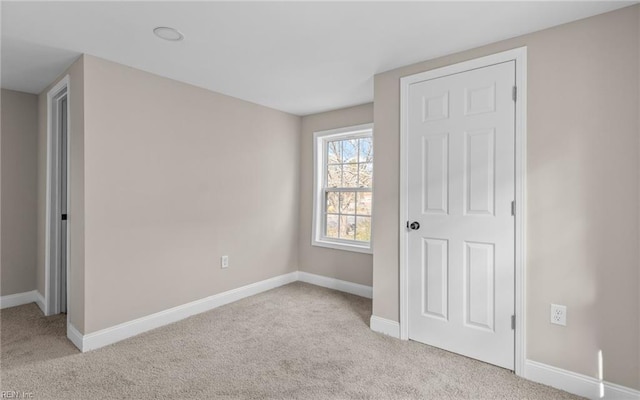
(57, 230)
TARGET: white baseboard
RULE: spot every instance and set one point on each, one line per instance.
(575, 383)
(18, 299)
(556, 377)
(107, 336)
(104, 337)
(385, 326)
(40, 301)
(75, 336)
(336, 284)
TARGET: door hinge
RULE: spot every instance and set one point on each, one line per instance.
(513, 208)
(515, 93)
(513, 322)
(64, 217)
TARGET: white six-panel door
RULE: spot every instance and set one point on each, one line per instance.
(461, 184)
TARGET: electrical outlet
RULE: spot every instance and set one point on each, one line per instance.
(224, 262)
(558, 314)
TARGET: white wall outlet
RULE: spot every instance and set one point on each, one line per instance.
(559, 314)
(224, 262)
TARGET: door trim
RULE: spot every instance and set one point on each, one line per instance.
(519, 55)
(52, 223)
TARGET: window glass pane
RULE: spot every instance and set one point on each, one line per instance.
(350, 175)
(366, 150)
(364, 203)
(363, 228)
(334, 176)
(332, 202)
(350, 151)
(334, 152)
(348, 203)
(347, 227)
(347, 165)
(331, 226)
(366, 175)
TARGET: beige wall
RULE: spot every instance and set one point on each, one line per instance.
(175, 177)
(19, 188)
(582, 232)
(346, 265)
(76, 186)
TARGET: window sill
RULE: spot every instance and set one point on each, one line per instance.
(343, 246)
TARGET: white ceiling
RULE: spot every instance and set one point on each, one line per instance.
(299, 57)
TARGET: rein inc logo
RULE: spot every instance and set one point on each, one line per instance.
(13, 394)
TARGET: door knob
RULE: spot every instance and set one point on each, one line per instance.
(414, 226)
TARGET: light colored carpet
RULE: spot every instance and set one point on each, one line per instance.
(295, 342)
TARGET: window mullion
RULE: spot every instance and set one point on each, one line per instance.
(344, 189)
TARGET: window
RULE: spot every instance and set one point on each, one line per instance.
(343, 182)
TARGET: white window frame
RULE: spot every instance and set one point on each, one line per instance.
(319, 167)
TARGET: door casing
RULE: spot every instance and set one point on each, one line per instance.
(52, 219)
(519, 55)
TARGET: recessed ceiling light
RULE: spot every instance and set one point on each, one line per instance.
(167, 33)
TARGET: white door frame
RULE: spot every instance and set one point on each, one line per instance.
(518, 55)
(52, 221)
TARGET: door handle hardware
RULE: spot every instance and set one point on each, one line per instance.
(414, 226)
